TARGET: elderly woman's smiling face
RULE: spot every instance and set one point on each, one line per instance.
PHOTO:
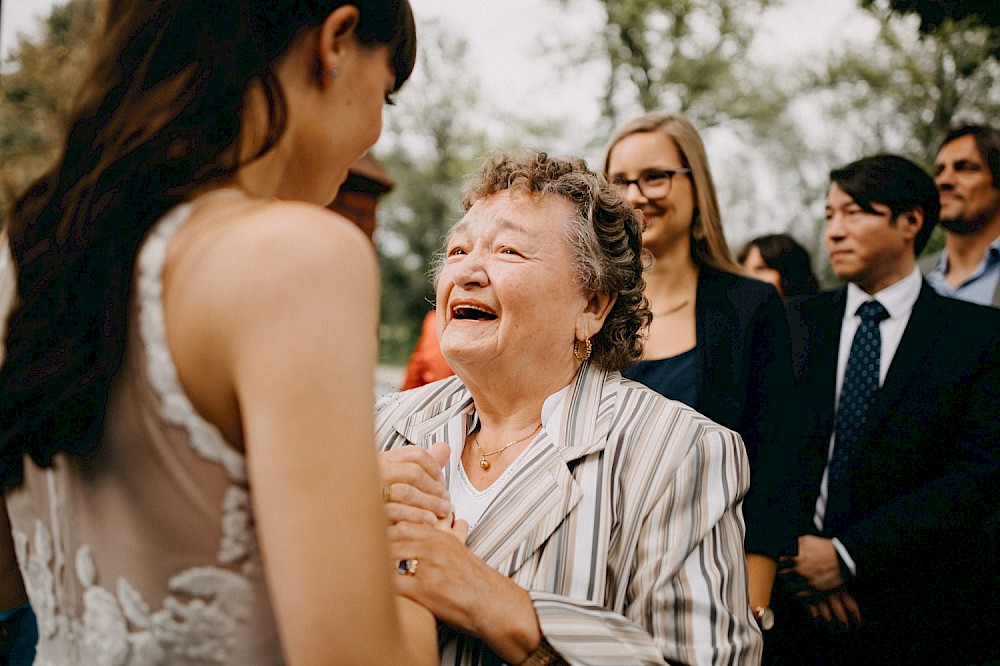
(507, 294)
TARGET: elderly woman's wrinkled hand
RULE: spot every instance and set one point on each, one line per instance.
(451, 581)
(413, 487)
(453, 584)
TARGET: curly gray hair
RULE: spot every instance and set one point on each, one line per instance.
(605, 236)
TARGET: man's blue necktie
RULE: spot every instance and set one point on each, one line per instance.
(861, 379)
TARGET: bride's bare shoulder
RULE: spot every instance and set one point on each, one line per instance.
(270, 236)
(288, 224)
(246, 254)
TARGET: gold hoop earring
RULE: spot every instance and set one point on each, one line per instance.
(576, 349)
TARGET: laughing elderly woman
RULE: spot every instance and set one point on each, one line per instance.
(604, 519)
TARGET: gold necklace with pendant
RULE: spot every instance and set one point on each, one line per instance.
(485, 463)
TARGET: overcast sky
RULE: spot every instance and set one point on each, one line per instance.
(506, 37)
(519, 79)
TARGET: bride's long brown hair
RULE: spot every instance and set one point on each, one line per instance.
(158, 116)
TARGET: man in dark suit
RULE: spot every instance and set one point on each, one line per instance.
(899, 390)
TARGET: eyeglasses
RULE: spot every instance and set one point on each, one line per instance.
(652, 183)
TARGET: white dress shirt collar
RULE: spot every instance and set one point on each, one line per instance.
(898, 298)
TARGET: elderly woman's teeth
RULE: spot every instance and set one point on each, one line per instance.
(471, 312)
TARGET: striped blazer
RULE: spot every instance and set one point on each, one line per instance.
(628, 537)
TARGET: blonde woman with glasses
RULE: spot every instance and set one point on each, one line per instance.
(718, 340)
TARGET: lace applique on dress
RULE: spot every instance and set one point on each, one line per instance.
(239, 538)
(37, 568)
(122, 630)
(176, 409)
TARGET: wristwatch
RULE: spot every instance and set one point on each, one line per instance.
(543, 655)
(764, 616)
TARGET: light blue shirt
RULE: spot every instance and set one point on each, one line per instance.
(979, 287)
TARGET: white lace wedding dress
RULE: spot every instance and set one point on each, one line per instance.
(144, 553)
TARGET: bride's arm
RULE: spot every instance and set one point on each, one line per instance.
(288, 307)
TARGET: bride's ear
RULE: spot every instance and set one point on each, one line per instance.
(335, 35)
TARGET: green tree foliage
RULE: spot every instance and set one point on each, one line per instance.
(38, 87)
(431, 145)
(901, 94)
(695, 57)
(935, 13)
(688, 56)
(904, 92)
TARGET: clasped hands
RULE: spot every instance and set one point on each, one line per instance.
(451, 582)
(815, 574)
(414, 490)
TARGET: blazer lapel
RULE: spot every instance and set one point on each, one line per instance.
(918, 337)
(529, 508)
(713, 324)
(543, 492)
(447, 419)
(428, 421)
(827, 329)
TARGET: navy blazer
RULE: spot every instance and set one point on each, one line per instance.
(927, 476)
(745, 383)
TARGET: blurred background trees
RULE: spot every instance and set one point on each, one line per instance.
(687, 55)
(773, 128)
(36, 93)
(431, 143)
(774, 131)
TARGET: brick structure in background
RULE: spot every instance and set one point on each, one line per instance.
(359, 195)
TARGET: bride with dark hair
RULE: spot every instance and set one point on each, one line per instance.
(185, 404)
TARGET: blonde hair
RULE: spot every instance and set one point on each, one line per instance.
(708, 241)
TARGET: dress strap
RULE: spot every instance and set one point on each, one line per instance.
(175, 407)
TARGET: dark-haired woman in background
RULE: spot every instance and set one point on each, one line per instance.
(718, 340)
(185, 404)
(780, 260)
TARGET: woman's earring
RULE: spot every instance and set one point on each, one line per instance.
(334, 73)
(576, 349)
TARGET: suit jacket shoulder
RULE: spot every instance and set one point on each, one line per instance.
(730, 311)
(814, 325)
(742, 296)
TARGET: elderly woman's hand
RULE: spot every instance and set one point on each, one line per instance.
(413, 486)
(462, 591)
